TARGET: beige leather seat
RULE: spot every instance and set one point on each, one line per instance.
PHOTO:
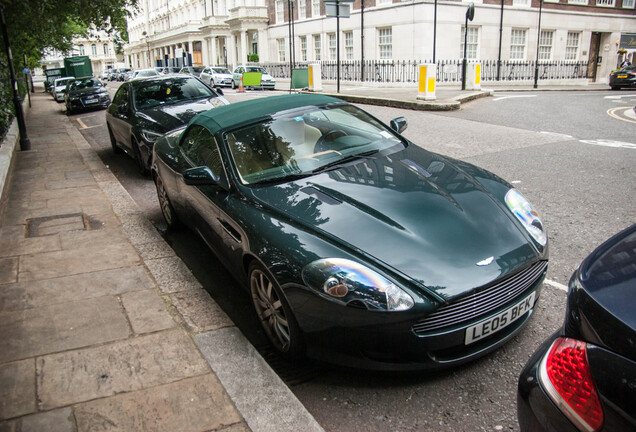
(295, 139)
(247, 162)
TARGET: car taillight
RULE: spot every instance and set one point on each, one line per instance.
(565, 375)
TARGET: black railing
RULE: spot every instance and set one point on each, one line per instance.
(448, 71)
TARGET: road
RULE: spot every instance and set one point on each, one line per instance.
(546, 144)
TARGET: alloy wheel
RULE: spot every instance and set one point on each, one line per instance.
(270, 310)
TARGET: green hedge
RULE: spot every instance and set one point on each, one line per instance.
(7, 111)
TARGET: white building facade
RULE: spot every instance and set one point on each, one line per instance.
(225, 32)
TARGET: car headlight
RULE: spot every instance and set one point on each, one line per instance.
(527, 215)
(150, 136)
(350, 283)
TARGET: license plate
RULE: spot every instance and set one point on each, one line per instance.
(499, 321)
(621, 76)
(90, 101)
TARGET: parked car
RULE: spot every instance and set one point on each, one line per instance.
(121, 73)
(144, 109)
(86, 93)
(624, 77)
(105, 74)
(59, 88)
(192, 70)
(216, 76)
(143, 73)
(583, 378)
(169, 70)
(359, 247)
(266, 79)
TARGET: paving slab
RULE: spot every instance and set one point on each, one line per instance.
(17, 388)
(8, 270)
(60, 327)
(191, 405)
(146, 312)
(124, 366)
(59, 420)
(68, 289)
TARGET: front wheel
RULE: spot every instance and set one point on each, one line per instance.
(233, 85)
(141, 164)
(172, 221)
(274, 313)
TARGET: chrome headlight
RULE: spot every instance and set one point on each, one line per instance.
(350, 283)
(150, 136)
(527, 215)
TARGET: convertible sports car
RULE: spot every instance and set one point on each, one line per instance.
(583, 378)
(359, 247)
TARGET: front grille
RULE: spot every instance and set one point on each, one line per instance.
(483, 302)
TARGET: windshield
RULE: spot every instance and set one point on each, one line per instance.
(84, 84)
(148, 94)
(306, 142)
(221, 70)
(255, 69)
(145, 73)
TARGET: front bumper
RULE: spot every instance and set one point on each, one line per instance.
(389, 341)
(85, 103)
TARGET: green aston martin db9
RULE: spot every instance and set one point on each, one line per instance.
(358, 247)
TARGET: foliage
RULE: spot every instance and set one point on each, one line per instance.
(37, 26)
(252, 57)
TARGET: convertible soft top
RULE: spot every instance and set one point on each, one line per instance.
(227, 116)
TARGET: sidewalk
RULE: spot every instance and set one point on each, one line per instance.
(448, 97)
(103, 327)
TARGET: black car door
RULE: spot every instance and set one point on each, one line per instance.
(120, 115)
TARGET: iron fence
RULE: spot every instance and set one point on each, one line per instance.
(448, 71)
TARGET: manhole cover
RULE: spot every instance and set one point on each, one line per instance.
(52, 225)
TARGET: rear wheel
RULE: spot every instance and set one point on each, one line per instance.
(274, 313)
(616, 88)
(172, 221)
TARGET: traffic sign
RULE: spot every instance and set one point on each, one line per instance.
(342, 10)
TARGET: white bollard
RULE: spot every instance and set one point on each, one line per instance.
(427, 82)
(473, 76)
(315, 79)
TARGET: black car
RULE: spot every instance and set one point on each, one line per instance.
(86, 93)
(144, 109)
(583, 378)
(625, 77)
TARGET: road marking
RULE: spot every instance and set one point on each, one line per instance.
(557, 134)
(555, 285)
(610, 143)
(628, 111)
(83, 125)
(512, 97)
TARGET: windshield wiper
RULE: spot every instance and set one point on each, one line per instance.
(345, 160)
(283, 179)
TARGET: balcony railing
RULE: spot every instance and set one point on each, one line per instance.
(448, 71)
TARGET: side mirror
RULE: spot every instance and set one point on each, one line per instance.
(200, 176)
(218, 90)
(399, 124)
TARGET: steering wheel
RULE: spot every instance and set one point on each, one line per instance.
(323, 142)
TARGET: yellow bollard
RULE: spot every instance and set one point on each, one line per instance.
(427, 82)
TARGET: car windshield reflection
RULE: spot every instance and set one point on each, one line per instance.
(149, 94)
(301, 144)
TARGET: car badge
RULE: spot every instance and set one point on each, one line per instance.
(485, 262)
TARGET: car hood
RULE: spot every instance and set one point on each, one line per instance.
(168, 117)
(87, 91)
(601, 303)
(414, 212)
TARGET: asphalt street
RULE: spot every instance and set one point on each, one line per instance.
(571, 153)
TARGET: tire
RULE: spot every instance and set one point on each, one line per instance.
(113, 143)
(143, 169)
(171, 218)
(274, 313)
(233, 84)
(615, 88)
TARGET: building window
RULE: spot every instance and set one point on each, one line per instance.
(385, 43)
(303, 48)
(281, 49)
(384, 1)
(605, 3)
(518, 44)
(315, 8)
(316, 47)
(348, 45)
(545, 44)
(105, 49)
(332, 46)
(472, 42)
(579, 2)
(280, 11)
(628, 4)
(302, 9)
(521, 2)
(572, 46)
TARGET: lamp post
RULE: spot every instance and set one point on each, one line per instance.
(470, 14)
(536, 61)
(148, 47)
(500, 36)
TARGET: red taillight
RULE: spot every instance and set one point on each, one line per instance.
(565, 374)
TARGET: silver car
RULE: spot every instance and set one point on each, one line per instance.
(59, 88)
(216, 76)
